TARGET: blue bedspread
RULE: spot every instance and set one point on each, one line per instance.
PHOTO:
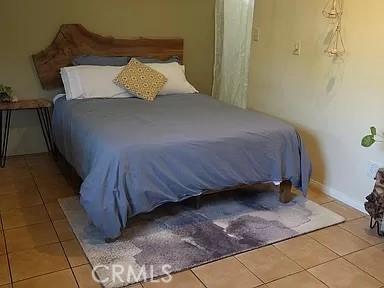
(135, 155)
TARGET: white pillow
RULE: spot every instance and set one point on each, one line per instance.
(71, 85)
(88, 81)
(57, 97)
(177, 82)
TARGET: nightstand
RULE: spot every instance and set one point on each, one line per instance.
(42, 107)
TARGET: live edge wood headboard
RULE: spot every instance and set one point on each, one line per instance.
(74, 40)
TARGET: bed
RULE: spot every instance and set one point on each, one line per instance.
(134, 156)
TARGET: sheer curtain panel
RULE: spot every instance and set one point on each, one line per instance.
(233, 36)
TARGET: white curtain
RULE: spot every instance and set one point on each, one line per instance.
(234, 21)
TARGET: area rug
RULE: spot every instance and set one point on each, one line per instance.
(182, 237)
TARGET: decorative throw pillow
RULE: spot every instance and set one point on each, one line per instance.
(141, 80)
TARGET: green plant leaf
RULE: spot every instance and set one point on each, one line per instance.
(368, 141)
(6, 89)
(373, 131)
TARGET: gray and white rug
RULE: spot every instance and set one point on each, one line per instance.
(183, 237)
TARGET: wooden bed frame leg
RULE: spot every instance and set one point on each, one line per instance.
(110, 240)
(285, 191)
(197, 202)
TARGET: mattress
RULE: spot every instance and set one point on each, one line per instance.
(135, 155)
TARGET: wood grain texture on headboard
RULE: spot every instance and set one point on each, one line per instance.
(74, 40)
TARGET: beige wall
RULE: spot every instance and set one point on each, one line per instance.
(27, 27)
(333, 104)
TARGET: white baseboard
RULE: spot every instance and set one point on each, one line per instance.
(338, 195)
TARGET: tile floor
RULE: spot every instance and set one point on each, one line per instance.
(38, 248)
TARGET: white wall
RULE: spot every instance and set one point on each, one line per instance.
(332, 104)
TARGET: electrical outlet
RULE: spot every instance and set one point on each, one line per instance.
(256, 34)
(297, 48)
(373, 167)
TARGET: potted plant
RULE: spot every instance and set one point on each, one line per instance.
(375, 201)
(6, 93)
(372, 138)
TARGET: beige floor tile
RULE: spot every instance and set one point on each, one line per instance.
(16, 162)
(317, 196)
(24, 217)
(45, 169)
(299, 280)
(2, 243)
(228, 272)
(36, 162)
(62, 279)
(347, 212)
(75, 253)
(15, 201)
(4, 271)
(51, 192)
(14, 174)
(340, 273)
(55, 212)
(84, 278)
(380, 246)
(38, 158)
(306, 251)
(184, 279)
(360, 228)
(268, 263)
(64, 230)
(6, 286)
(370, 260)
(21, 186)
(37, 261)
(28, 237)
(48, 179)
(339, 240)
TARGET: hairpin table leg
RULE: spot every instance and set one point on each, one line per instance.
(45, 123)
(4, 135)
(285, 191)
(197, 202)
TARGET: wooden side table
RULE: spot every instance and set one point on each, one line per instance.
(42, 107)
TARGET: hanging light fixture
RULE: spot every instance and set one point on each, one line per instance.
(333, 9)
(336, 47)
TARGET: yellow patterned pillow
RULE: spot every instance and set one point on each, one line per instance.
(141, 80)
